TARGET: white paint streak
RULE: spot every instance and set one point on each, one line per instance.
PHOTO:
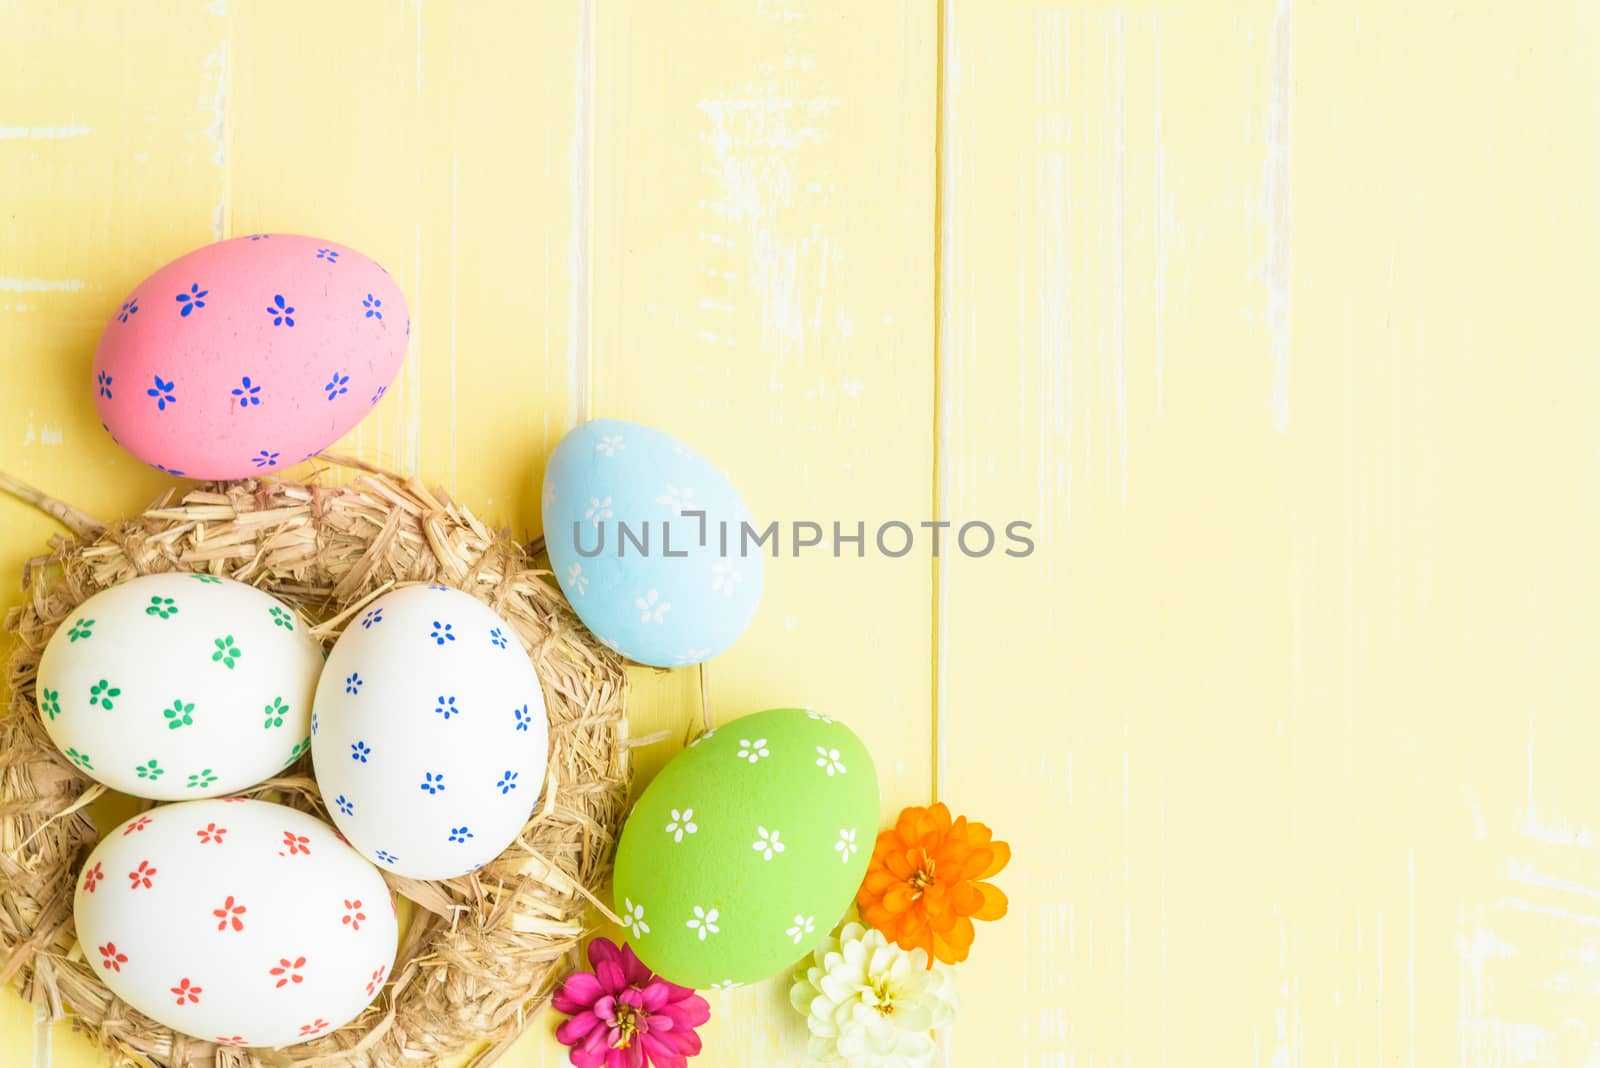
(580, 307)
(1116, 77)
(50, 435)
(217, 131)
(43, 133)
(1162, 231)
(39, 285)
(42, 1045)
(1279, 207)
(455, 312)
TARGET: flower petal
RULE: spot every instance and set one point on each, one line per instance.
(994, 902)
(574, 1031)
(1001, 856)
(579, 992)
(609, 972)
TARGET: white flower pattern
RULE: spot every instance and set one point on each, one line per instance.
(576, 579)
(767, 843)
(753, 751)
(703, 922)
(726, 984)
(549, 494)
(609, 444)
(725, 578)
(702, 737)
(598, 511)
(633, 918)
(803, 925)
(682, 824)
(691, 656)
(846, 844)
(677, 500)
(651, 607)
(829, 759)
(818, 716)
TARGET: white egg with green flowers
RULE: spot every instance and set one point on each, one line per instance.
(179, 685)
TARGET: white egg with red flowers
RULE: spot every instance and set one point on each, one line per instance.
(240, 922)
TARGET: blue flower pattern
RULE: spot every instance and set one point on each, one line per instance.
(498, 637)
(386, 856)
(345, 806)
(248, 393)
(129, 307)
(507, 783)
(360, 751)
(328, 254)
(442, 631)
(378, 396)
(259, 237)
(352, 685)
(447, 708)
(103, 381)
(523, 718)
(374, 615)
(460, 834)
(265, 459)
(280, 310)
(432, 783)
(374, 307)
(336, 385)
(164, 393)
(191, 301)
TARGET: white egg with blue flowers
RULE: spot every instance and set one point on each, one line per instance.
(429, 733)
(651, 543)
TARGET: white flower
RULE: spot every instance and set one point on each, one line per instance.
(609, 444)
(702, 737)
(677, 500)
(611, 643)
(725, 984)
(691, 656)
(753, 751)
(682, 824)
(599, 509)
(803, 925)
(766, 843)
(651, 607)
(724, 577)
(818, 716)
(576, 579)
(846, 844)
(829, 758)
(549, 494)
(633, 918)
(870, 1003)
(703, 922)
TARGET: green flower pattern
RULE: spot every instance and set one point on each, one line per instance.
(181, 714)
(101, 694)
(83, 628)
(162, 606)
(283, 619)
(299, 747)
(226, 652)
(150, 769)
(210, 580)
(50, 703)
(275, 713)
(202, 779)
(80, 759)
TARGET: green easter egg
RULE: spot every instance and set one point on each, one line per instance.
(747, 848)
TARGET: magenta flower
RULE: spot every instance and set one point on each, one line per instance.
(623, 1016)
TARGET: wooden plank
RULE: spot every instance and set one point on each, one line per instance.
(763, 288)
(1267, 317)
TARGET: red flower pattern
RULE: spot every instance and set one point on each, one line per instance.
(137, 825)
(92, 877)
(353, 914)
(188, 993)
(376, 980)
(295, 843)
(229, 914)
(314, 1027)
(211, 833)
(141, 876)
(111, 959)
(232, 1040)
(288, 971)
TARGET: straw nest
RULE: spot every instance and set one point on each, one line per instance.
(481, 953)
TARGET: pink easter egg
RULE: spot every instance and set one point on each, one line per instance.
(249, 355)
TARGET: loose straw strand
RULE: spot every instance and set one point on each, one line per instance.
(76, 520)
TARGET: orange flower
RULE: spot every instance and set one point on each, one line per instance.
(924, 888)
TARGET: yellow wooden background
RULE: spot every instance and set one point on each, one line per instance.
(1276, 318)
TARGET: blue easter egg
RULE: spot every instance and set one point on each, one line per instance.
(652, 545)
